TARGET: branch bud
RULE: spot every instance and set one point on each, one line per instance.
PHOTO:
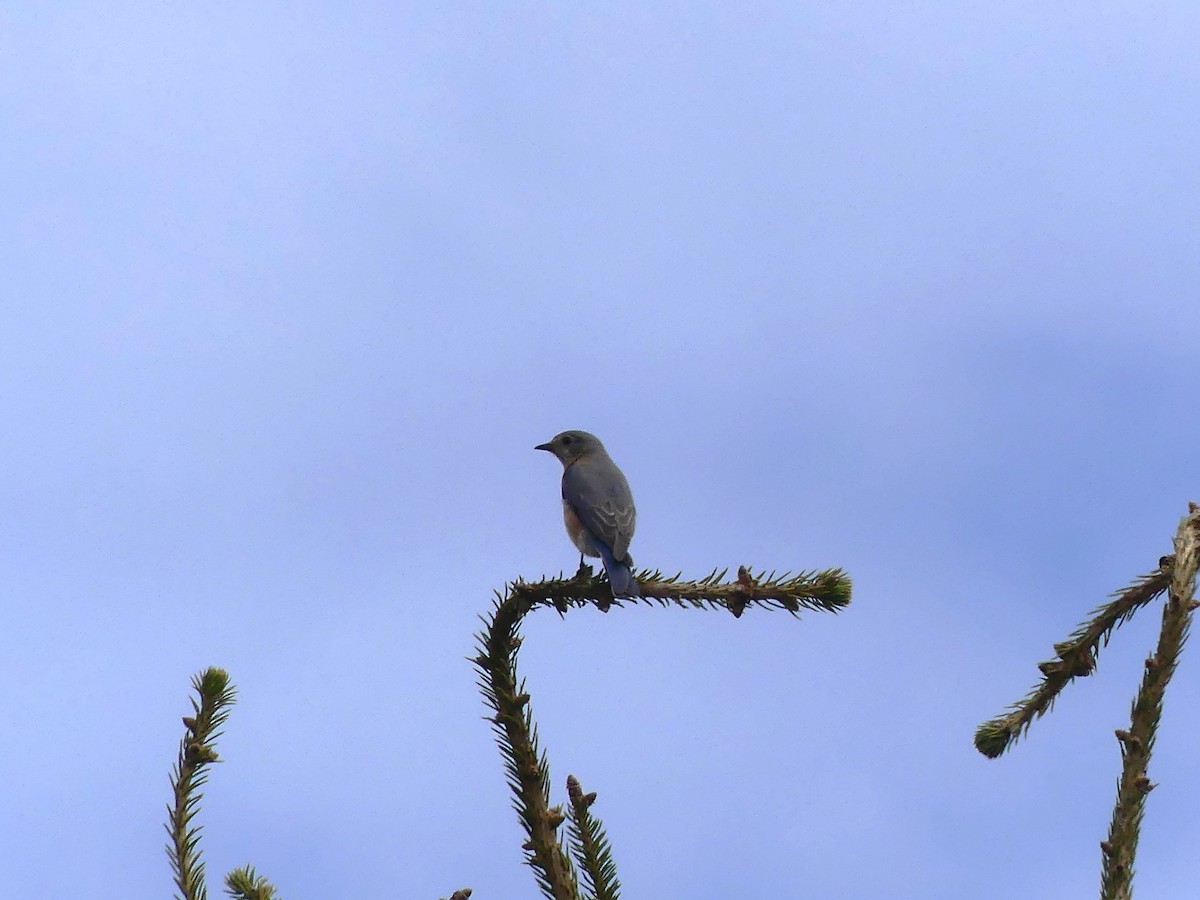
(1128, 740)
(1083, 664)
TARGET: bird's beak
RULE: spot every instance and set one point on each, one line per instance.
(545, 447)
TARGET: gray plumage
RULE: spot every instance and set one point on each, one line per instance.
(598, 506)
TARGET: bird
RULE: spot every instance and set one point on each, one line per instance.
(598, 506)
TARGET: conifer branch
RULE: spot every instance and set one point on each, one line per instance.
(246, 884)
(590, 846)
(827, 590)
(504, 692)
(1075, 658)
(1120, 848)
(527, 768)
(197, 750)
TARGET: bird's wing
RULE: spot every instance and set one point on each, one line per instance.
(600, 496)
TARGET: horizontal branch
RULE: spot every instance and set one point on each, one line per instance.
(827, 590)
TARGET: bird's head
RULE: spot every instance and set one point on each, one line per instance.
(571, 445)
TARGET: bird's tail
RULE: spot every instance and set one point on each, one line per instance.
(620, 575)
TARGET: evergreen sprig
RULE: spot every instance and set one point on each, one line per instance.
(247, 884)
(590, 846)
(1074, 658)
(512, 720)
(1120, 848)
(197, 750)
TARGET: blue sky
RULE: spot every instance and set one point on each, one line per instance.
(290, 292)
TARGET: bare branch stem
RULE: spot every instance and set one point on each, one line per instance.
(1120, 848)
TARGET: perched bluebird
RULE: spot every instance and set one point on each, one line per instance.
(597, 505)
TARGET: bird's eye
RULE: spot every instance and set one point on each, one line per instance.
(567, 440)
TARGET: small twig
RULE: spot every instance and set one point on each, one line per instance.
(590, 846)
(1075, 657)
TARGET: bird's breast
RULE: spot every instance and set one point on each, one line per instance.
(576, 532)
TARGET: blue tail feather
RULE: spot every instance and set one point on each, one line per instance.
(620, 575)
